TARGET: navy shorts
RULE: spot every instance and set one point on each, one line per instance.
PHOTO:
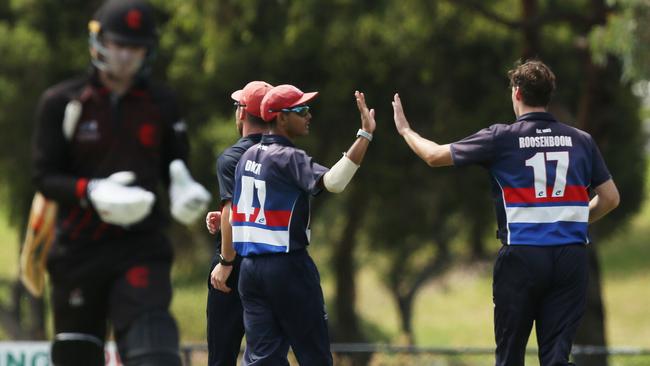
(545, 285)
(114, 281)
(225, 317)
(283, 306)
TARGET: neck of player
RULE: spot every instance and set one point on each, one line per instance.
(523, 109)
(117, 85)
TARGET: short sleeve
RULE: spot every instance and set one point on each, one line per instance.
(599, 172)
(226, 165)
(474, 149)
(305, 172)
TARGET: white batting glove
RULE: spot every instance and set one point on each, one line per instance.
(189, 200)
(116, 202)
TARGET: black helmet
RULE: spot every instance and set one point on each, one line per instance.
(125, 21)
(128, 22)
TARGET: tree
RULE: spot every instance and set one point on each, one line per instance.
(447, 60)
(626, 36)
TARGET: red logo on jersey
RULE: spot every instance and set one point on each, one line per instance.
(134, 19)
(138, 277)
(147, 134)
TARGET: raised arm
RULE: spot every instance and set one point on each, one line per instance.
(338, 177)
(433, 154)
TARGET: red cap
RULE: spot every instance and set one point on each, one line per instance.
(283, 96)
(251, 96)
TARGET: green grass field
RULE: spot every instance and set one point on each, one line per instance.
(455, 310)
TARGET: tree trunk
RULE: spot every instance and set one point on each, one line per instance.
(477, 242)
(405, 290)
(346, 321)
(405, 304)
(592, 327)
(531, 29)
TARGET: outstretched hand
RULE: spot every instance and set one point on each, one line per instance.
(368, 123)
(401, 123)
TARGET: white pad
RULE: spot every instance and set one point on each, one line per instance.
(337, 178)
(189, 200)
(71, 118)
(117, 203)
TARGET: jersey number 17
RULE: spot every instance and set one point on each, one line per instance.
(538, 163)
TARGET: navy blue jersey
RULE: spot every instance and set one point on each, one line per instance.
(541, 170)
(227, 162)
(271, 204)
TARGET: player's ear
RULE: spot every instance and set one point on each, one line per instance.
(241, 114)
(282, 119)
(517, 92)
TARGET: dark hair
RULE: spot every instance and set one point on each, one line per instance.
(536, 82)
(256, 121)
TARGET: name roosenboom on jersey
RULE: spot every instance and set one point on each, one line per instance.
(556, 203)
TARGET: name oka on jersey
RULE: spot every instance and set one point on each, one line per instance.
(270, 209)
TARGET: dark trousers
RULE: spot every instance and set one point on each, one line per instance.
(283, 306)
(544, 285)
(225, 317)
(113, 282)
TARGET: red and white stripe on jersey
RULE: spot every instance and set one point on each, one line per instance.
(273, 218)
(527, 195)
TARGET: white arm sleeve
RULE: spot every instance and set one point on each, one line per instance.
(337, 178)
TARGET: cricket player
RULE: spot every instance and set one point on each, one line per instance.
(104, 146)
(225, 314)
(279, 283)
(541, 171)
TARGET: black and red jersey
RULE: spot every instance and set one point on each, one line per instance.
(141, 131)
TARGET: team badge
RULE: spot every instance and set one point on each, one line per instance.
(134, 19)
(88, 131)
(147, 134)
(76, 298)
(138, 277)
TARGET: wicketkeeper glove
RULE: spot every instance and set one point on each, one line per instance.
(189, 200)
(116, 202)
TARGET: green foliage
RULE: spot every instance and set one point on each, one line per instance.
(22, 68)
(626, 35)
(447, 62)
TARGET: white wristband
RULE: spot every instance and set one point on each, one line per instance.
(364, 134)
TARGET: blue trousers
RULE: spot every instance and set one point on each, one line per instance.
(283, 306)
(544, 285)
(225, 318)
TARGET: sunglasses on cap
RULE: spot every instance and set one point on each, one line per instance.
(300, 110)
(238, 104)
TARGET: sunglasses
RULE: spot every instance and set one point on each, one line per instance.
(238, 104)
(302, 110)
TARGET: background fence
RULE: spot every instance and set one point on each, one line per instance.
(37, 354)
(389, 355)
